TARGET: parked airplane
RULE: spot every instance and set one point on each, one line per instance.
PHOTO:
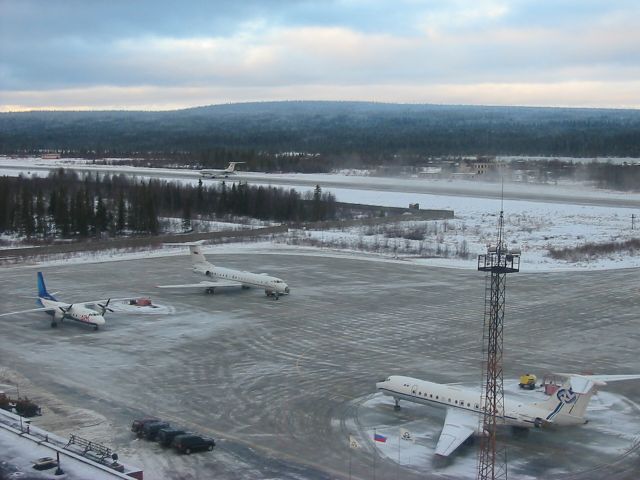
(59, 311)
(227, 277)
(566, 406)
(230, 170)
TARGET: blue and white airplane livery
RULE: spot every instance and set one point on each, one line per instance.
(59, 311)
(567, 406)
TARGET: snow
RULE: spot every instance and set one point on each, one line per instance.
(611, 432)
(534, 226)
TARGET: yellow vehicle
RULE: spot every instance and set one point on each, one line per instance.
(528, 381)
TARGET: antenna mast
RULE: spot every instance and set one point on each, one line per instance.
(497, 262)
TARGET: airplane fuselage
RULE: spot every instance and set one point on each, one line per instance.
(216, 174)
(78, 313)
(271, 285)
(516, 413)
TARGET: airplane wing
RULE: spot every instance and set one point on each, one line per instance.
(94, 303)
(222, 283)
(458, 426)
(41, 309)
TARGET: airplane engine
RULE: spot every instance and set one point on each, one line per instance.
(58, 316)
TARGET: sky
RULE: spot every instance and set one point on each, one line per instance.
(162, 55)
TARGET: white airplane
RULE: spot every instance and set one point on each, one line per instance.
(566, 407)
(59, 311)
(230, 170)
(227, 277)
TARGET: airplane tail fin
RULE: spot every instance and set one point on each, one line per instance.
(197, 257)
(42, 288)
(569, 403)
(232, 167)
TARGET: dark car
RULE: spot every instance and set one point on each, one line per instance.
(166, 435)
(151, 429)
(44, 463)
(137, 425)
(192, 443)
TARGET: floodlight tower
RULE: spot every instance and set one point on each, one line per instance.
(497, 262)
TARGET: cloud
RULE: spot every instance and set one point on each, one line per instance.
(245, 48)
(565, 94)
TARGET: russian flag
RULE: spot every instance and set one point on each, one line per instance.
(379, 438)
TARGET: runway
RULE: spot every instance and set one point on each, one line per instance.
(574, 194)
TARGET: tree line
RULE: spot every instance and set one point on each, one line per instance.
(374, 131)
(67, 205)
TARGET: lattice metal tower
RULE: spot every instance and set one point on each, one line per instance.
(497, 262)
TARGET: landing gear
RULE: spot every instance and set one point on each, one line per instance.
(54, 324)
(95, 327)
(396, 407)
(210, 291)
(269, 293)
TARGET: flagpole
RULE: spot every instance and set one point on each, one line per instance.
(350, 461)
(399, 440)
(375, 450)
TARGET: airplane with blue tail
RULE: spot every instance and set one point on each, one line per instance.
(80, 312)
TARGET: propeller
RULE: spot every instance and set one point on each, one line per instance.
(105, 307)
(65, 310)
(62, 313)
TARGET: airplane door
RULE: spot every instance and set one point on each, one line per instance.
(414, 389)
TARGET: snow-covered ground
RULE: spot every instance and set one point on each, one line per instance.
(535, 226)
(532, 226)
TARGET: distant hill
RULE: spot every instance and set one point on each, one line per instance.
(331, 128)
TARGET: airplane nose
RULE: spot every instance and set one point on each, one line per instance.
(286, 290)
(100, 320)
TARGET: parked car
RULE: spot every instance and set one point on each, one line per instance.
(151, 429)
(45, 463)
(166, 435)
(192, 443)
(137, 425)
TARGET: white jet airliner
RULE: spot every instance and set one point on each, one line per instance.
(59, 311)
(230, 170)
(227, 277)
(566, 406)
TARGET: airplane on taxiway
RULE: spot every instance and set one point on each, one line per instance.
(59, 311)
(566, 406)
(227, 277)
(230, 170)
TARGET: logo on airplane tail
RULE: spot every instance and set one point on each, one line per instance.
(566, 396)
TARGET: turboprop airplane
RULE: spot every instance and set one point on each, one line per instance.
(59, 311)
(227, 277)
(230, 170)
(566, 406)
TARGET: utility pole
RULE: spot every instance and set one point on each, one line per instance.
(497, 262)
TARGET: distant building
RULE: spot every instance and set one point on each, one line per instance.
(480, 166)
(50, 156)
(430, 172)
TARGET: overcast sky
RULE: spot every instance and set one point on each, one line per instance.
(134, 54)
